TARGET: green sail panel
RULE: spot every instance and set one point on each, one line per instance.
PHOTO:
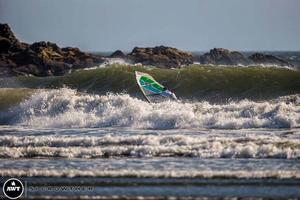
(152, 90)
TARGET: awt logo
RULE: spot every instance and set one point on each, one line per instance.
(13, 188)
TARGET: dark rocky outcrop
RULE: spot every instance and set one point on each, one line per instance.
(259, 58)
(40, 58)
(161, 56)
(6, 33)
(46, 58)
(220, 56)
(5, 44)
(118, 54)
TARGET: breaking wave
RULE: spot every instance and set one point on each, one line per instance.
(66, 108)
(112, 61)
(210, 83)
(272, 66)
(151, 173)
(200, 144)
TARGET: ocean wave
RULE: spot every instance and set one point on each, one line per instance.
(151, 173)
(112, 61)
(65, 108)
(274, 66)
(126, 62)
(197, 82)
(142, 151)
(212, 144)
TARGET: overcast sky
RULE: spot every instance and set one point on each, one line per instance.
(195, 25)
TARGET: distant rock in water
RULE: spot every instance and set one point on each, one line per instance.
(118, 54)
(161, 56)
(40, 58)
(259, 58)
(220, 56)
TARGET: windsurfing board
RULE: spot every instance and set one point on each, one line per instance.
(152, 90)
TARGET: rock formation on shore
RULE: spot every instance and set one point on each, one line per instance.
(40, 58)
(165, 57)
(46, 58)
(259, 58)
(220, 56)
(118, 54)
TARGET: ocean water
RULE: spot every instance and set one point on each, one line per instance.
(86, 130)
(126, 162)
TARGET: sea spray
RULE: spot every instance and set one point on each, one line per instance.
(66, 108)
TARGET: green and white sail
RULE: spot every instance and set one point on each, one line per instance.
(152, 90)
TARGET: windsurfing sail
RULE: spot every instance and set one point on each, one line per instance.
(152, 90)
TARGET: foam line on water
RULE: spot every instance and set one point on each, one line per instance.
(152, 173)
(207, 145)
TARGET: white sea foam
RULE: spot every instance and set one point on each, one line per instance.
(150, 167)
(152, 173)
(111, 61)
(252, 65)
(65, 108)
(121, 61)
(198, 144)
